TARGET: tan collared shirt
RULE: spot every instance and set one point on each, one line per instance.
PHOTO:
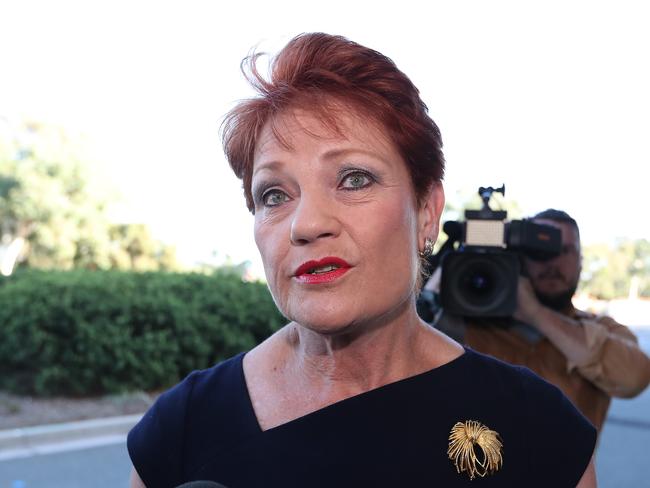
(616, 366)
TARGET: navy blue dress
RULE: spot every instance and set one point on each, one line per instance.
(397, 435)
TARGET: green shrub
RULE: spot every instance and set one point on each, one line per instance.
(89, 332)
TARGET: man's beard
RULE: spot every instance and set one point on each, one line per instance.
(557, 301)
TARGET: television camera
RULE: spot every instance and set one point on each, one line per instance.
(481, 259)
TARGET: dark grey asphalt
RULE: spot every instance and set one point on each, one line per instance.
(622, 460)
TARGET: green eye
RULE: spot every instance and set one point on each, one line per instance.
(273, 198)
(356, 181)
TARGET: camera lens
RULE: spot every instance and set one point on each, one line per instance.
(480, 283)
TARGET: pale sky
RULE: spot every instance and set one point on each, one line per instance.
(551, 98)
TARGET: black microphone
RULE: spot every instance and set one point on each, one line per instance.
(201, 484)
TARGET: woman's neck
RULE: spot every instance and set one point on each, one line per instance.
(297, 371)
(364, 358)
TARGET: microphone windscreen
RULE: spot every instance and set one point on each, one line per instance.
(201, 484)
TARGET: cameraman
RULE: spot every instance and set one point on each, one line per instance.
(590, 358)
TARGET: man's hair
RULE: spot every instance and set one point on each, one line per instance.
(557, 216)
(329, 76)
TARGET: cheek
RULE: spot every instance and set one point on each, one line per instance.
(268, 239)
(394, 237)
(572, 265)
(533, 269)
(269, 242)
(258, 233)
(402, 221)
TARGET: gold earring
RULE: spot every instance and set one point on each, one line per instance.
(428, 248)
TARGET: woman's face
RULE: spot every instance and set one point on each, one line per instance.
(337, 223)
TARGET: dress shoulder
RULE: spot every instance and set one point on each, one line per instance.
(165, 438)
(558, 439)
(562, 440)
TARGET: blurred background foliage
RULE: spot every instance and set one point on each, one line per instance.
(92, 306)
(618, 270)
(53, 215)
(84, 332)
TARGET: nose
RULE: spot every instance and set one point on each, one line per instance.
(314, 218)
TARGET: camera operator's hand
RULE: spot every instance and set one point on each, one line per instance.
(563, 331)
(528, 306)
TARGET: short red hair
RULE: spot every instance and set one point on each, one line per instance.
(315, 71)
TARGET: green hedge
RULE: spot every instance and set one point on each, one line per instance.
(91, 332)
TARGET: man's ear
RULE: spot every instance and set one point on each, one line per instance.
(580, 259)
(431, 207)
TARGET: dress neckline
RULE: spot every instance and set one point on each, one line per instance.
(250, 411)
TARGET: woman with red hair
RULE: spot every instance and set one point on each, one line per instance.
(342, 167)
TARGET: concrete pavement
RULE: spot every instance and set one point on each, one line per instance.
(43, 439)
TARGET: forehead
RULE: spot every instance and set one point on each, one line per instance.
(568, 230)
(298, 129)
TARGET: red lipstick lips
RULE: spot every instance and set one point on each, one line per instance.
(322, 271)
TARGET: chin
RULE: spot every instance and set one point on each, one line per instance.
(557, 301)
(329, 330)
(552, 290)
(325, 323)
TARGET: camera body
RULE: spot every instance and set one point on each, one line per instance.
(481, 259)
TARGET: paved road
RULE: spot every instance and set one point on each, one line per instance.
(96, 467)
(622, 459)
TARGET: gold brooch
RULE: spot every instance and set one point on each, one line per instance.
(464, 436)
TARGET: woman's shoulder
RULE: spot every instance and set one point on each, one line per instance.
(516, 384)
(201, 385)
(205, 401)
(223, 376)
(499, 374)
(206, 392)
(557, 439)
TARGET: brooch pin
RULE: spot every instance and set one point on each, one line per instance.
(463, 438)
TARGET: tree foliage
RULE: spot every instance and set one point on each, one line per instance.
(84, 332)
(610, 271)
(55, 213)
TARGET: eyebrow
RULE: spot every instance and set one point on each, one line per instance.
(268, 165)
(275, 164)
(336, 153)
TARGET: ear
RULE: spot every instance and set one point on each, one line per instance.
(580, 260)
(429, 214)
